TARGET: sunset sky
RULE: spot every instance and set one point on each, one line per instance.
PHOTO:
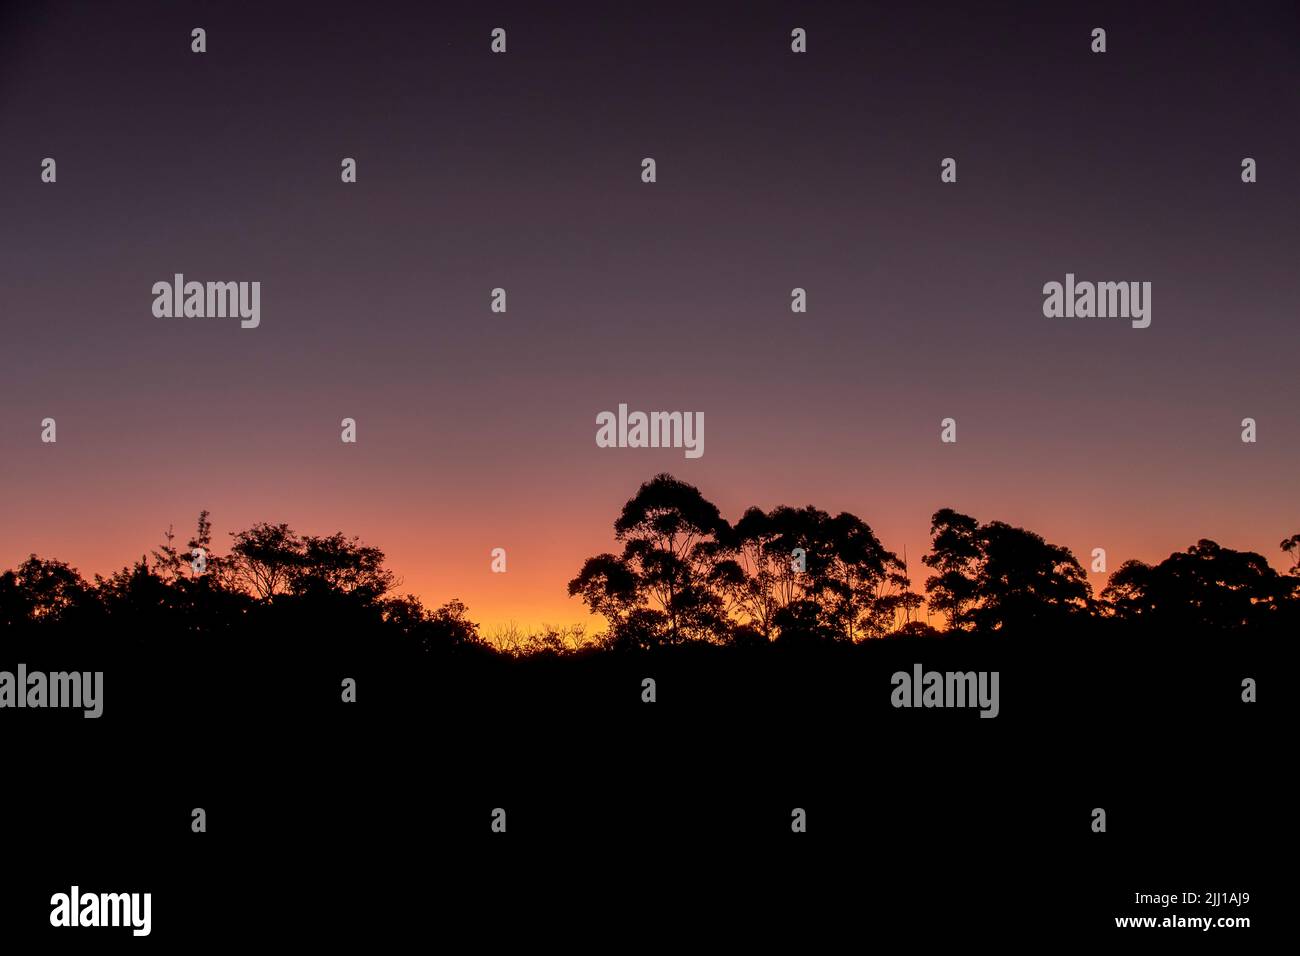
(477, 430)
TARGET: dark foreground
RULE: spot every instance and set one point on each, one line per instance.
(632, 823)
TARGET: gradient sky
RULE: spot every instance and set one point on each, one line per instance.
(477, 430)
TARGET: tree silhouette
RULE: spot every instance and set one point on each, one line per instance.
(954, 554)
(335, 563)
(995, 576)
(1026, 581)
(167, 559)
(609, 587)
(766, 545)
(40, 591)
(853, 585)
(809, 575)
(265, 558)
(1291, 546)
(788, 576)
(675, 558)
(1206, 586)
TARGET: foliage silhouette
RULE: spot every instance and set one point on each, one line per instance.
(794, 577)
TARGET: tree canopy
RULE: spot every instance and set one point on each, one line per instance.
(680, 574)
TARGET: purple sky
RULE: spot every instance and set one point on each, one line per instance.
(775, 170)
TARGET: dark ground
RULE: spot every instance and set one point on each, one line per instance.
(631, 823)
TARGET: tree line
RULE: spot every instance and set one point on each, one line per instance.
(802, 575)
(683, 574)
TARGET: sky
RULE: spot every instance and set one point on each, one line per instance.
(775, 170)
